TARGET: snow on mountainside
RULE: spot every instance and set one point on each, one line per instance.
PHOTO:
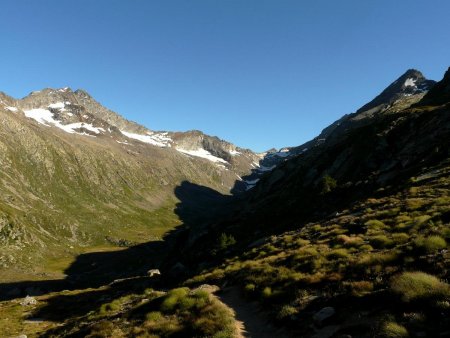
(77, 113)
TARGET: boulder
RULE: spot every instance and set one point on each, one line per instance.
(28, 301)
(153, 272)
(323, 314)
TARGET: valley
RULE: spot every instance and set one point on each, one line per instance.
(109, 229)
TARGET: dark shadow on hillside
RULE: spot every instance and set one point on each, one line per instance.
(125, 271)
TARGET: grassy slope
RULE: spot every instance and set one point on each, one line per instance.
(347, 261)
(64, 194)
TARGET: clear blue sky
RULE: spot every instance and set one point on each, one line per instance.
(258, 73)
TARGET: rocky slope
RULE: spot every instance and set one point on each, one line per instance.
(344, 239)
(67, 160)
(404, 92)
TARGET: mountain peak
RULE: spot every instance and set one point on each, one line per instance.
(82, 93)
(412, 82)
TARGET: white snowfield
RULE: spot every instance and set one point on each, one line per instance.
(45, 117)
(200, 152)
(410, 82)
(157, 139)
(58, 105)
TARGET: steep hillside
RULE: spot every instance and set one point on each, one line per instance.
(351, 237)
(404, 92)
(78, 177)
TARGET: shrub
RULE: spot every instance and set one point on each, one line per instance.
(400, 237)
(420, 220)
(382, 258)
(350, 241)
(250, 287)
(415, 203)
(430, 244)
(394, 330)
(225, 241)
(375, 224)
(114, 306)
(153, 316)
(266, 292)
(380, 241)
(173, 298)
(286, 311)
(361, 287)
(338, 254)
(419, 285)
(327, 184)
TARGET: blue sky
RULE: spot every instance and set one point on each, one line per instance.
(258, 73)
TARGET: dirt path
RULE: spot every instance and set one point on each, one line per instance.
(251, 322)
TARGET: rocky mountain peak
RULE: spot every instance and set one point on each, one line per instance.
(412, 82)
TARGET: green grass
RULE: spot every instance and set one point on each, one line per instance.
(413, 286)
(394, 330)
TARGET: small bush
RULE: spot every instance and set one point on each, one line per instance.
(430, 244)
(381, 241)
(361, 287)
(375, 224)
(350, 241)
(153, 316)
(400, 237)
(266, 292)
(225, 241)
(420, 220)
(419, 285)
(250, 288)
(327, 184)
(338, 254)
(114, 306)
(394, 330)
(286, 311)
(415, 203)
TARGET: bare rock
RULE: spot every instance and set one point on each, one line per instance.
(27, 301)
(153, 272)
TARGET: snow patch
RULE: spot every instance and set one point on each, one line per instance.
(234, 152)
(57, 105)
(13, 109)
(252, 182)
(126, 143)
(410, 82)
(156, 139)
(200, 152)
(264, 169)
(45, 117)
